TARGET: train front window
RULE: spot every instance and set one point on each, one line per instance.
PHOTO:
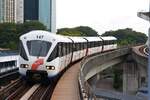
(38, 48)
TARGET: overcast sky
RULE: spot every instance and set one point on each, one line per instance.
(102, 15)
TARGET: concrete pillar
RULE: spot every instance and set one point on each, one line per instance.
(130, 77)
(143, 75)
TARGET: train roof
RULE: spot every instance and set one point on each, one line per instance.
(78, 39)
(48, 35)
(109, 38)
(93, 38)
(60, 38)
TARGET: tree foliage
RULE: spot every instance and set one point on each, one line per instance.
(77, 31)
(10, 32)
(127, 36)
(69, 32)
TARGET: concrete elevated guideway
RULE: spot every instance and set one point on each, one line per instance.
(68, 88)
(144, 15)
(103, 61)
(132, 77)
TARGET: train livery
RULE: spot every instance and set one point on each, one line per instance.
(44, 54)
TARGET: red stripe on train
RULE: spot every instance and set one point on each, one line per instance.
(37, 63)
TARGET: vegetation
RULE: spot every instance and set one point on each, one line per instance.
(127, 36)
(10, 32)
(117, 79)
(78, 31)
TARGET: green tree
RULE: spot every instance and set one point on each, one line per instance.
(86, 31)
(127, 36)
(10, 32)
(77, 31)
(69, 32)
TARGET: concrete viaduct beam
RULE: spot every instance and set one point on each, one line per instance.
(103, 61)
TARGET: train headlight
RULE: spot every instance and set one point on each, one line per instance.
(24, 66)
(50, 67)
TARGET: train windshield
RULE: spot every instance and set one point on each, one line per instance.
(38, 48)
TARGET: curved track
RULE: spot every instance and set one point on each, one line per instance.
(144, 50)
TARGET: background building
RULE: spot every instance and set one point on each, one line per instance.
(18, 11)
(31, 10)
(11, 11)
(19, 8)
(41, 10)
(1, 11)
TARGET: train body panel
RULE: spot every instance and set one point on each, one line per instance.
(48, 54)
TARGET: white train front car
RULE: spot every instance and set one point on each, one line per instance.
(44, 54)
(37, 53)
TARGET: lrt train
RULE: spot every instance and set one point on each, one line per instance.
(44, 54)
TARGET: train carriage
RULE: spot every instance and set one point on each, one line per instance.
(44, 54)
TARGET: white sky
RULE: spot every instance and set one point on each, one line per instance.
(102, 15)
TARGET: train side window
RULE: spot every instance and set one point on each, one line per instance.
(59, 50)
(89, 46)
(23, 52)
(105, 42)
(86, 45)
(82, 45)
(54, 54)
(70, 47)
(67, 47)
(79, 46)
(74, 47)
(109, 42)
(98, 43)
(101, 43)
(92, 44)
(64, 49)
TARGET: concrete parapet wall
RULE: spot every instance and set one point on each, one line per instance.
(102, 61)
(134, 69)
(139, 58)
(92, 65)
(142, 63)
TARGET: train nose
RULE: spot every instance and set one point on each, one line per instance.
(37, 63)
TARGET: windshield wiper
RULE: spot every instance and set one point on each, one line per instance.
(40, 49)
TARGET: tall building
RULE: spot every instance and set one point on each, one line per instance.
(19, 9)
(1, 11)
(31, 10)
(41, 10)
(11, 11)
(47, 13)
